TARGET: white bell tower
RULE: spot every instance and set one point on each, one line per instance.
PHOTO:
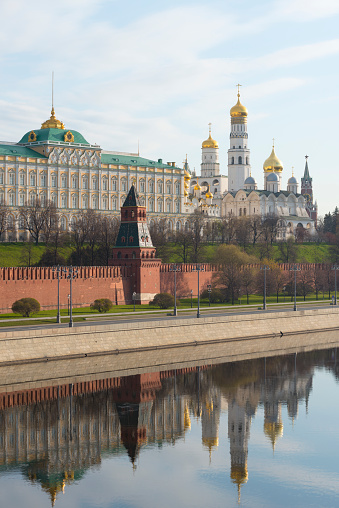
(239, 154)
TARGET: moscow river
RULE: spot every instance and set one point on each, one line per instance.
(255, 433)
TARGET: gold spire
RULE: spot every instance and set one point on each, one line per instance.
(53, 123)
(210, 142)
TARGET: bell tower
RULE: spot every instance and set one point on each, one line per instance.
(134, 249)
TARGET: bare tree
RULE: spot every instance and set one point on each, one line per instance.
(288, 250)
(197, 223)
(255, 228)
(35, 218)
(108, 232)
(183, 242)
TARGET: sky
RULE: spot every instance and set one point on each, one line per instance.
(158, 72)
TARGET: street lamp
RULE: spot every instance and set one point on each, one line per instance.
(209, 289)
(68, 297)
(295, 269)
(191, 298)
(133, 298)
(265, 268)
(71, 273)
(175, 268)
(198, 268)
(284, 289)
(58, 270)
(335, 268)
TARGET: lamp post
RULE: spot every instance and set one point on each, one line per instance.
(198, 268)
(71, 273)
(335, 268)
(284, 289)
(209, 289)
(295, 269)
(175, 268)
(265, 268)
(68, 297)
(191, 298)
(58, 270)
(133, 298)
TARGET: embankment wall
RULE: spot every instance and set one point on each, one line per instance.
(268, 329)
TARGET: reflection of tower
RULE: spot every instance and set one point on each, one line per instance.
(134, 401)
(238, 432)
(210, 417)
(273, 426)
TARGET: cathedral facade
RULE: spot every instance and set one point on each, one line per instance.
(238, 194)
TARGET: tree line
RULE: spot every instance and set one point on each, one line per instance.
(91, 234)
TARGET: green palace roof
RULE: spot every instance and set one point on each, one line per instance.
(53, 135)
(20, 151)
(133, 160)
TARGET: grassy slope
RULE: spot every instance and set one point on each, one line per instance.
(15, 254)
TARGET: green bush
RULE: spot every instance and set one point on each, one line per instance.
(162, 300)
(102, 305)
(26, 307)
(216, 296)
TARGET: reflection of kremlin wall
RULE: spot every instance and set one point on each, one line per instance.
(68, 429)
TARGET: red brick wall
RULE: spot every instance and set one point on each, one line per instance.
(113, 282)
(41, 283)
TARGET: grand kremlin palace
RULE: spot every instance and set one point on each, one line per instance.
(57, 164)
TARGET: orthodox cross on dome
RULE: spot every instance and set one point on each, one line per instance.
(238, 85)
(292, 170)
(209, 127)
(306, 157)
(273, 142)
(52, 89)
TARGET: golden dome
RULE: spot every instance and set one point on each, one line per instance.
(273, 163)
(185, 193)
(239, 474)
(53, 123)
(187, 176)
(210, 442)
(197, 186)
(210, 143)
(209, 195)
(238, 111)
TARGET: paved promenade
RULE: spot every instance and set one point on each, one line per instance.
(139, 336)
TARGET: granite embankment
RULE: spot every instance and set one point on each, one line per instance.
(254, 332)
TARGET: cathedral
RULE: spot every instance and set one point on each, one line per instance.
(238, 194)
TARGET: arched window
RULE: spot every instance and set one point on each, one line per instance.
(232, 160)
(247, 162)
(239, 160)
(119, 255)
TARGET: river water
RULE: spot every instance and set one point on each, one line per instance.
(256, 433)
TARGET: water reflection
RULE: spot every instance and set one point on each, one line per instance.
(53, 435)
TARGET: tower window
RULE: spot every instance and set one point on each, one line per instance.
(239, 160)
(239, 146)
(232, 160)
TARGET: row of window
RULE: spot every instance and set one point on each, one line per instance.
(239, 160)
(85, 183)
(94, 202)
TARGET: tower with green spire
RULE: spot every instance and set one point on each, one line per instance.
(307, 192)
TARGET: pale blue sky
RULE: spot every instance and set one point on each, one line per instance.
(161, 71)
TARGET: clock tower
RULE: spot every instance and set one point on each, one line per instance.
(307, 192)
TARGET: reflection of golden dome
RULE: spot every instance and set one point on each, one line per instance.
(273, 163)
(187, 420)
(238, 111)
(273, 431)
(210, 442)
(239, 474)
(210, 143)
(52, 123)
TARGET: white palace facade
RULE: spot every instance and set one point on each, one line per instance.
(58, 165)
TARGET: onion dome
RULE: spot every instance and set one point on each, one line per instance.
(210, 142)
(238, 111)
(185, 193)
(249, 181)
(197, 187)
(209, 195)
(272, 177)
(273, 430)
(187, 176)
(292, 180)
(273, 163)
(52, 123)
